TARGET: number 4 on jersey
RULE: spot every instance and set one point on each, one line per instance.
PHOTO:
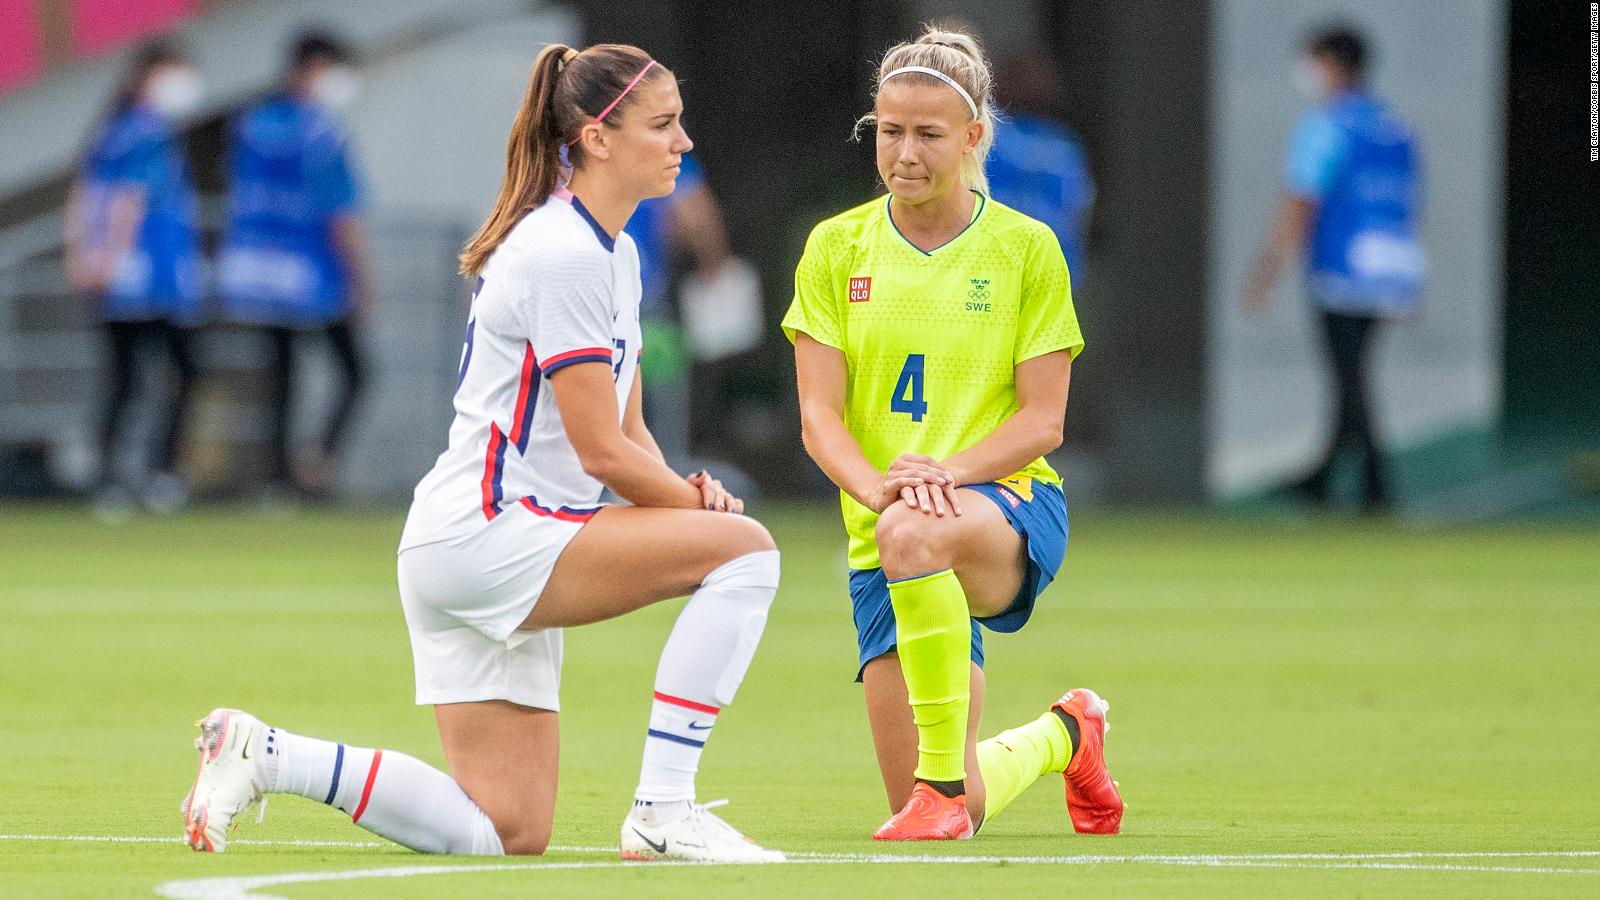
(907, 396)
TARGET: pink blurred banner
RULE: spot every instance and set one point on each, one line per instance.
(101, 25)
(21, 59)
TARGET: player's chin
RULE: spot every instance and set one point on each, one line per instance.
(909, 193)
(666, 184)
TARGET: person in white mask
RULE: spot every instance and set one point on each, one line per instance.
(133, 251)
(294, 261)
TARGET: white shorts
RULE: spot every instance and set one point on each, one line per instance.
(464, 598)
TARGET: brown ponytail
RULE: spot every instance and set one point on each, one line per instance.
(565, 90)
(533, 160)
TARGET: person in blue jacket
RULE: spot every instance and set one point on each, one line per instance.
(686, 225)
(1038, 166)
(294, 258)
(133, 247)
(1351, 209)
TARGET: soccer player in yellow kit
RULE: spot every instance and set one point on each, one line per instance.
(934, 335)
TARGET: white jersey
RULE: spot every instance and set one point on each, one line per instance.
(558, 291)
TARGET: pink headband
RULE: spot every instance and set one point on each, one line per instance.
(607, 111)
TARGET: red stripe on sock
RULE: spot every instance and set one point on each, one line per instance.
(687, 704)
(366, 790)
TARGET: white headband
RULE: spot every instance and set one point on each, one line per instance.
(939, 75)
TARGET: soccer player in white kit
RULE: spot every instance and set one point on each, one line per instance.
(507, 542)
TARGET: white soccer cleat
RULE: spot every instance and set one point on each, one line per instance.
(698, 837)
(227, 784)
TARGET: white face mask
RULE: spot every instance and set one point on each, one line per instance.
(175, 91)
(336, 88)
(1308, 79)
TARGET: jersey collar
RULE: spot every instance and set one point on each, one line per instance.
(977, 213)
(606, 240)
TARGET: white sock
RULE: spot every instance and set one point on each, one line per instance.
(390, 794)
(705, 659)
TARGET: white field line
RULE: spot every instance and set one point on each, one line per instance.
(245, 886)
(238, 888)
(1416, 861)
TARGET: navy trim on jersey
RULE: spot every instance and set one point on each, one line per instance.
(606, 240)
(983, 202)
(560, 364)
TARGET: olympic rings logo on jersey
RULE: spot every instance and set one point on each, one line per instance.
(980, 289)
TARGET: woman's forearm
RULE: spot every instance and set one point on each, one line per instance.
(836, 452)
(640, 477)
(1020, 439)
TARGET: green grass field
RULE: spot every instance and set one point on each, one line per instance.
(1334, 708)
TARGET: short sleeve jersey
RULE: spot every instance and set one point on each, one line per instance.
(932, 339)
(558, 291)
(291, 178)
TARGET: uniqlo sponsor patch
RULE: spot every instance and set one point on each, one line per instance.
(860, 290)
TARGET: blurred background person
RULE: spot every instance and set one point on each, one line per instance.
(1351, 207)
(1038, 166)
(294, 259)
(698, 312)
(132, 244)
(689, 220)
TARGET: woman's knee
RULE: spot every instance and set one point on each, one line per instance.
(523, 838)
(910, 538)
(740, 535)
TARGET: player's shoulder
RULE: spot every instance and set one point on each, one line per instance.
(845, 229)
(1013, 229)
(553, 242)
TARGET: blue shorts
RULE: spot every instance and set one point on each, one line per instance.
(1042, 524)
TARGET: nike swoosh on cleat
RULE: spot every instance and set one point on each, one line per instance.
(696, 726)
(659, 848)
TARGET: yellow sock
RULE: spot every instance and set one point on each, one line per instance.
(934, 635)
(1017, 757)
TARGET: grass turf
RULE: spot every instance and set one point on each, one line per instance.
(1277, 687)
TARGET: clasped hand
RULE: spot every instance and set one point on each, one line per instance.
(713, 495)
(922, 482)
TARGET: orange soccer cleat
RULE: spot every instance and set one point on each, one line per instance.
(928, 816)
(1092, 799)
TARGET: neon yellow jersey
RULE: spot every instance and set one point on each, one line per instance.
(932, 339)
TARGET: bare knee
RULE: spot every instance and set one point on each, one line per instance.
(910, 542)
(743, 535)
(523, 838)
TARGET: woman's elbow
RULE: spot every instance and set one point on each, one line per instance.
(599, 464)
(1050, 435)
(809, 434)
